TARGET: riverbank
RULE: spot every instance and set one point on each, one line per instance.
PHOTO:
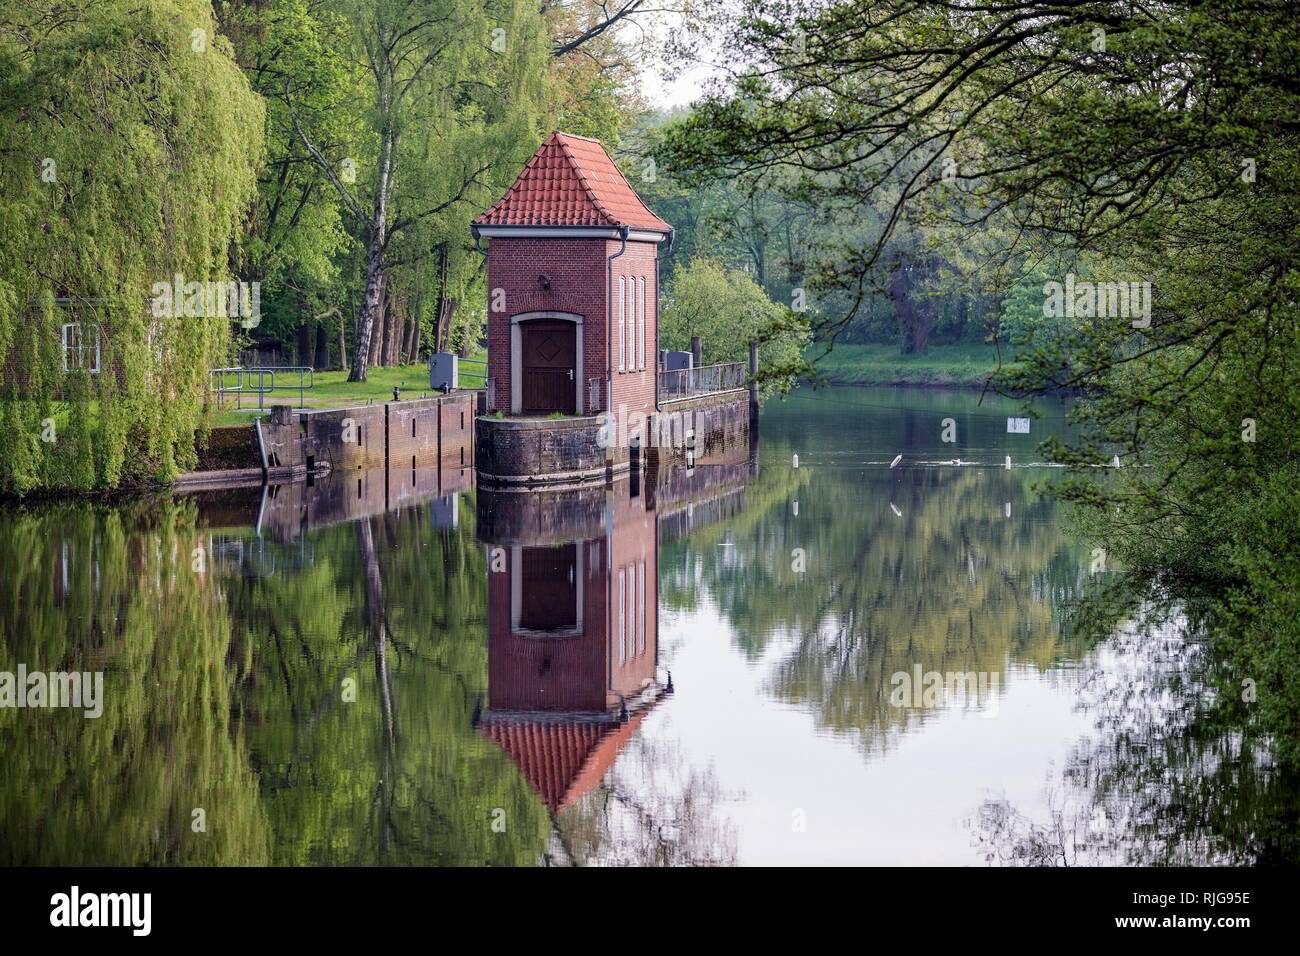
(963, 365)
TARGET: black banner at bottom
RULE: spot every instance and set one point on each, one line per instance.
(338, 905)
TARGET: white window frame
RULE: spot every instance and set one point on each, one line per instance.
(631, 612)
(641, 591)
(622, 638)
(628, 321)
(67, 334)
(621, 282)
(640, 319)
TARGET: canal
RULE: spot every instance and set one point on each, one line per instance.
(873, 645)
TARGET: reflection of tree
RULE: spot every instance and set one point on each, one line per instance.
(398, 776)
(770, 491)
(225, 692)
(651, 810)
(1161, 783)
(953, 584)
(89, 588)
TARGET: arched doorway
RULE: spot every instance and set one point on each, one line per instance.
(546, 366)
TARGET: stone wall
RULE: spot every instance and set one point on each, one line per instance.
(563, 450)
(541, 450)
(721, 430)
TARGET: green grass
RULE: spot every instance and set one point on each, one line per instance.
(962, 364)
(332, 389)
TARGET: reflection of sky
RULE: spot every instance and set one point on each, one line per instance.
(905, 806)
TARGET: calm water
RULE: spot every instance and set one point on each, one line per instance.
(839, 662)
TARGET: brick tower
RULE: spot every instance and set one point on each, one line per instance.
(572, 287)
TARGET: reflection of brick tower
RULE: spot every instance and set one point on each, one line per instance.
(572, 636)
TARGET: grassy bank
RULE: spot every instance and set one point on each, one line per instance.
(966, 364)
(332, 389)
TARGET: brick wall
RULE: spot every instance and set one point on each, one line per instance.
(578, 270)
(634, 555)
(636, 388)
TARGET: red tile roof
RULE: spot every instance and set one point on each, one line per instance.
(571, 181)
(561, 758)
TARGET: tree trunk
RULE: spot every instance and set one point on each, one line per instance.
(412, 345)
(343, 345)
(383, 350)
(304, 341)
(905, 311)
(377, 245)
(370, 307)
(446, 311)
(377, 332)
(396, 333)
(322, 357)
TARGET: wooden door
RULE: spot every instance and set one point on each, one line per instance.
(549, 367)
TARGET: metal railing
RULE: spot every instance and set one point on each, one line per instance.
(478, 368)
(260, 381)
(685, 382)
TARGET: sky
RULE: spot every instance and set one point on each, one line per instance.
(684, 84)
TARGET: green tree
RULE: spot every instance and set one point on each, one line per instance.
(727, 309)
(451, 93)
(130, 144)
(1160, 142)
(296, 240)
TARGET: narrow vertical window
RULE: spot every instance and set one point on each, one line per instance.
(641, 648)
(622, 638)
(631, 613)
(640, 318)
(620, 323)
(630, 319)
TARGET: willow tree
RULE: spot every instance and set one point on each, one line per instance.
(129, 144)
(126, 592)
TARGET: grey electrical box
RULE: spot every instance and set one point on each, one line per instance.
(677, 361)
(444, 371)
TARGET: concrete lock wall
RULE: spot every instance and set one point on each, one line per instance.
(402, 437)
(542, 451)
(418, 432)
(721, 423)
